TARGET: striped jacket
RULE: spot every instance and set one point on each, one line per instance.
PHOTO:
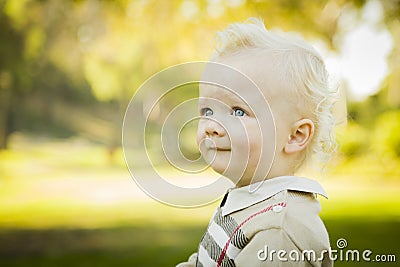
(277, 225)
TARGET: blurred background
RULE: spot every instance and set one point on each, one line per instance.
(67, 72)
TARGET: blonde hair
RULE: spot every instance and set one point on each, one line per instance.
(305, 69)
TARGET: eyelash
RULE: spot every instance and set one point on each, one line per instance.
(203, 112)
(236, 109)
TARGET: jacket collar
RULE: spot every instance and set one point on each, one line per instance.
(241, 198)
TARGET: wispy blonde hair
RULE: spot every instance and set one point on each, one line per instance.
(305, 69)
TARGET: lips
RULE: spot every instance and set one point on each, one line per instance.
(210, 144)
(222, 149)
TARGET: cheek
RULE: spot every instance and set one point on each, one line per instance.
(199, 137)
(200, 133)
(282, 135)
(254, 137)
(255, 148)
(245, 144)
(253, 143)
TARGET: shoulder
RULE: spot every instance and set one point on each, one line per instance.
(302, 222)
(288, 221)
(292, 211)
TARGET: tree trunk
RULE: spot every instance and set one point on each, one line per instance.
(4, 112)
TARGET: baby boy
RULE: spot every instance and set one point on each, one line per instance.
(259, 139)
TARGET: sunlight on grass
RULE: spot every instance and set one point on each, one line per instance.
(47, 183)
(44, 215)
(68, 203)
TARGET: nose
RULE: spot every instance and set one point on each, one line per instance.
(212, 128)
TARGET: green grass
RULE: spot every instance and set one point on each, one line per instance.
(66, 203)
(127, 246)
(155, 245)
(379, 236)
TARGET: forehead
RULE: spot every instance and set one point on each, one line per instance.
(232, 88)
(247, 73)
(209, 93)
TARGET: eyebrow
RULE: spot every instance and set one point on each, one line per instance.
(233, 103)
(226, 95)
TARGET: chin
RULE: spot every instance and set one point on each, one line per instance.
(219, 168)
(230, 173)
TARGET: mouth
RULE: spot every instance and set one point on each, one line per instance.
(210, 145)
(222, 149)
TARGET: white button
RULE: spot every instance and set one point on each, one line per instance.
(277, 208)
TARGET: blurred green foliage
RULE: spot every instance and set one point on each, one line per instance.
(163, 246)
(69, 68)
(386, 137)
(64, 204)
(354, 141)
(89, 57)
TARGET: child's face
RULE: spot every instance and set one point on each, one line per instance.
(231, 138)
(228, 133)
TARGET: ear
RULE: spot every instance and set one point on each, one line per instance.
(301, 135)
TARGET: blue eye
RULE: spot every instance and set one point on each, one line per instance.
(206, 112)
(239, 112)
